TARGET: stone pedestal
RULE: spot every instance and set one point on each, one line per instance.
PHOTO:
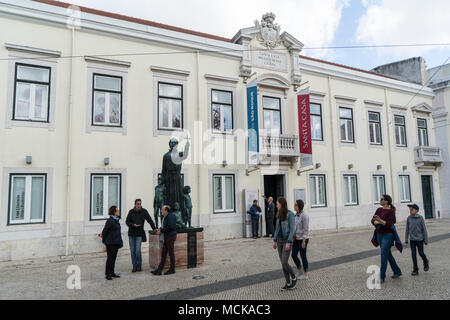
(188, 249)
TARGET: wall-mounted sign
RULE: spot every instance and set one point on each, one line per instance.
(300, 194)
(304, 128)
(253, 130)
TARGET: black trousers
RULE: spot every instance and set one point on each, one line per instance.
(269, 225)
(168, 247)
(419, 246)
(255, 227)
(111, 255)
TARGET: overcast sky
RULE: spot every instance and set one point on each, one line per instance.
(315, 23)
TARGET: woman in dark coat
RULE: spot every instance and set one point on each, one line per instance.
(112, 238)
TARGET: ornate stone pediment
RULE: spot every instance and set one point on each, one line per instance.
(422, 107)
(267, 33)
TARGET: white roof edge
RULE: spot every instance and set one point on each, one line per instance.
(341, 72)
(40, 11)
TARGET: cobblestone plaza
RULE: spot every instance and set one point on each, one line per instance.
(244, 269)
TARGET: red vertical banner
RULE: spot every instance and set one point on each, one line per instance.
(304, 128)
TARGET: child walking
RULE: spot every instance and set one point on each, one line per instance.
(416, 231)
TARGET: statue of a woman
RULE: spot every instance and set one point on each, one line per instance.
(171, 174)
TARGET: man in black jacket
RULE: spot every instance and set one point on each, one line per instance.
(136, 234)
(270, 214)
(169, 233)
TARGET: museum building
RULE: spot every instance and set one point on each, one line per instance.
(89, 101)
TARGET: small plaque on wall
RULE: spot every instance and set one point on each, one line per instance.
(300, 194)
(269, 60)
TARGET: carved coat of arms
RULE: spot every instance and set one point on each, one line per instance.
(269, 34)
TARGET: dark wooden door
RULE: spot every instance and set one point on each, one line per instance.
(427, 197)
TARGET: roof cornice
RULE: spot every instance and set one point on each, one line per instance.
(328, 69)
(90, 22)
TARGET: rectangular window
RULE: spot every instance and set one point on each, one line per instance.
(405, 188)
(422, 131)
(346, 125)
(31, 93)
(107, 101)
(272, 115)
(316, 121)
(222, 111)
(400, 131)
(170, 106)
(350, 190)
(223, 189)
(105, 192)
(27, 198)
(317, 190)
(378, 187)
(374, 128)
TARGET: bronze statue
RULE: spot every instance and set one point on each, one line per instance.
(158, 201)
(178, 216)
(187, 206)
(171, 174)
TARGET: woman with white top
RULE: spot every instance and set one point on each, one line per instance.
(301, 239)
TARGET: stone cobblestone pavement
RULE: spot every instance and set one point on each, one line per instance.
(244, 269)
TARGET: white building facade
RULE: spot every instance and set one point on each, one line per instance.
(88, 108)
(440, 83)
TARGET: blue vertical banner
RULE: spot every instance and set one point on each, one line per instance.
(253, 132)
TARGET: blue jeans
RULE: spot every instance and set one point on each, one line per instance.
(296, 247)
(385, 241)
(135, 250)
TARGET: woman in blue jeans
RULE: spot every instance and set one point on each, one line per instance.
(384, 220)
(301, 239)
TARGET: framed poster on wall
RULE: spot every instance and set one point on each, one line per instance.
(249, 196)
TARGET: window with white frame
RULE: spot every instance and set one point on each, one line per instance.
(400, 131)
(422, 131)
(374, 128)
(346, 125)
(405, 188)
(224, 194)
(350, 190)
(105, 192)
(317, 190)
(272, 115)
(222, 110)
(170, 106)
(378, 187)
(31, 93)
(107, 101)
(27, 197)
(316, 121)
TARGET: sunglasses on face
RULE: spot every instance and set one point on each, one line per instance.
(382, 199)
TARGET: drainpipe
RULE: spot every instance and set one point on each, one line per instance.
(333, 156)
(69, 140)
(389, 142)
(200, 139)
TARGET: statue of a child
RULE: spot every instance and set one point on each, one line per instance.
(158, 201)
(187, 206)
(178, 216)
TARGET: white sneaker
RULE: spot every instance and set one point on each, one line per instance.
(302, 277)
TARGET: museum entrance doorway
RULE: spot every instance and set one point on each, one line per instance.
(273, 187)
